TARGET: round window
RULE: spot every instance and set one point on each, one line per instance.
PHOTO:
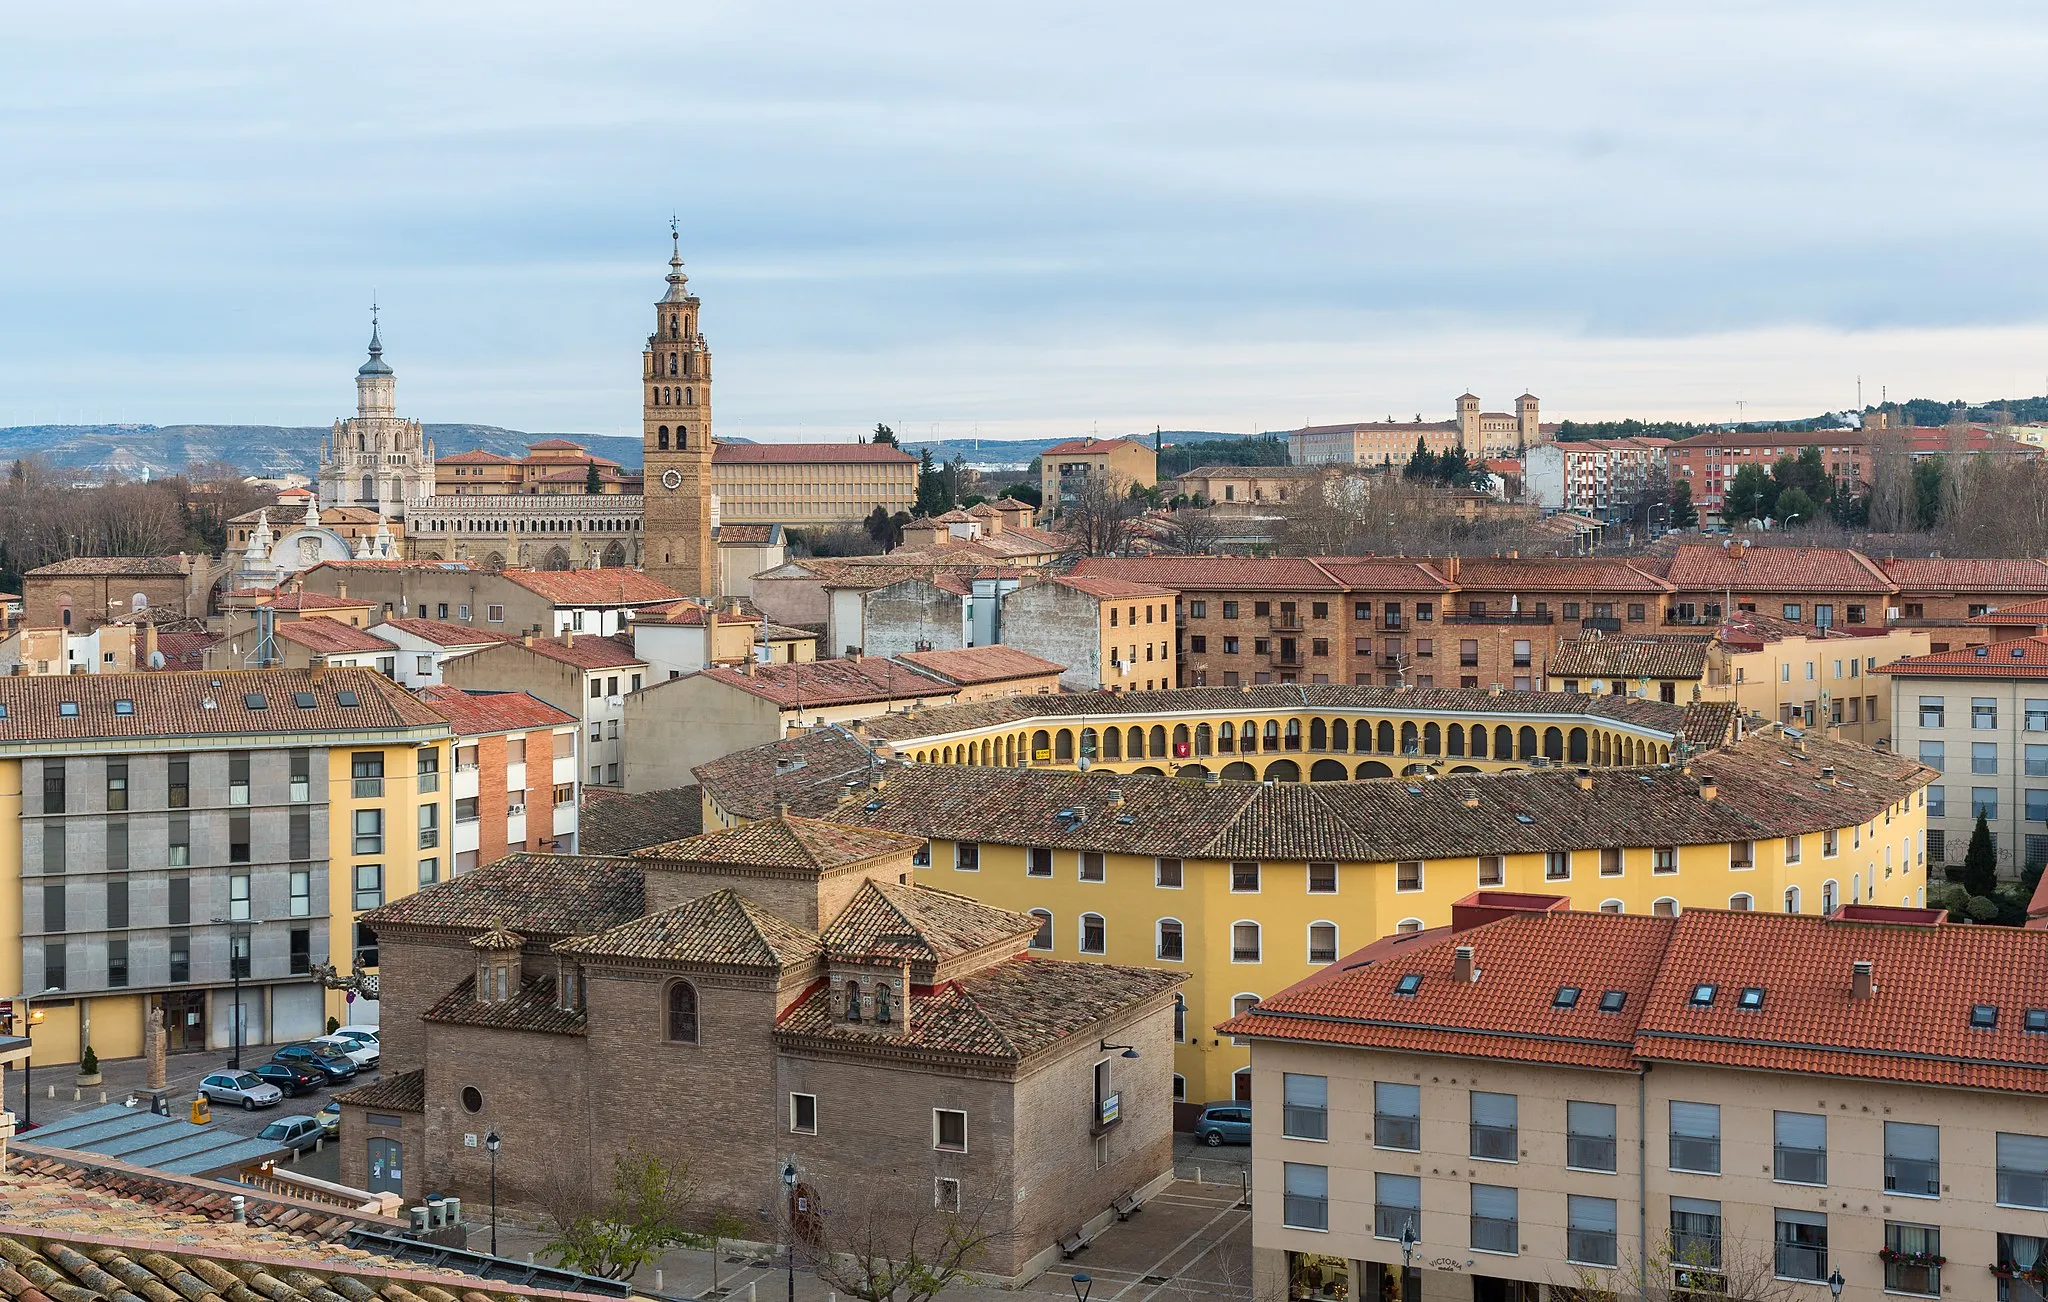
(472, 1099)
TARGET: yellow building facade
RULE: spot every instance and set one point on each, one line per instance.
(1249, 888)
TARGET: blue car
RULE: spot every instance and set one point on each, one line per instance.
(1225, 1123)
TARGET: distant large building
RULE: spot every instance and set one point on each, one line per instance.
(810, 483)
(376, 459)
(1384, 443)
(551, 467)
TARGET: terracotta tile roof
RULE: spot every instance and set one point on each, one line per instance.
(554, 445)
(798, 453)
(475, 713)
(1215, 573)
(920, 924)
(980, 664)
(91, 1203)
(497, 938)
(1543, 574)
(2025, 657)
(537, 894)
(2017, 612)
(174, 704)
(747, 535)
(1709, 725)
(443, 633)
(404, 1092)
(814, 683)
(614, 822)
(1387, 573)
(113, 567)
(1073, 446)
(1959, 574)
(938, 720)
(809, 772)
(722, 929)
(689, 613)
(782, 633)
(531, 1009)
(586, 652)
(475, 457)
(315, 601)
(608, 587)
(343, 567)
(1111, 589)
(330, 636)
(1006, 1012)
(1674, 656)
(184, 650)
(1765, 789)
(1704, 567)
(786, 841)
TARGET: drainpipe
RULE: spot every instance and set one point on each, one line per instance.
(1643, 1181)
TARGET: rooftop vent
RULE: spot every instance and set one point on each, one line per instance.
(1862, 979)
(1827, 773)
(1463, 968)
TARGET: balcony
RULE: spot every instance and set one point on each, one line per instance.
(1600, 624)
(1498, 617)
(1285, 623)
(1287, 657)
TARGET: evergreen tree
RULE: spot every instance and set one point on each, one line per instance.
(883, 434)
(1751, 495)
(1980, 863)
(931, 485)
(1795, 507)
(1684, 515)
(1422, 463)
(591, 482)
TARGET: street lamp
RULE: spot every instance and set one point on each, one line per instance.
(1129, 1051)
(235, 964)
(789, 1188)
(1835, 1282)
(491, 1146)
(1407, 1256)
(29, 1018)
(1082, 1282)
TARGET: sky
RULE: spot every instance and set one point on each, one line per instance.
(1021, 220)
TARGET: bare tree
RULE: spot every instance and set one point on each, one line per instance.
(889, 1242)
(647, 1210)
(1892, 505)
(1324, 517)
(1190, 531)
(1099, 518)
(1697, 1269)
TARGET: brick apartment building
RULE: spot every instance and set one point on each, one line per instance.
(1710, 462)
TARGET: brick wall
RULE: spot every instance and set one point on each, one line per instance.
(415, 970)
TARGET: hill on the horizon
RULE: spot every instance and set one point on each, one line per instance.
(130, 450)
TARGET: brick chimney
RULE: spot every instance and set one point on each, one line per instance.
(1464, 970)
(1862, 979)
(568, 638)
(1708, 789)
(526, 640)
(318, 670)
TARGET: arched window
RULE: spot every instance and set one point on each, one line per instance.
(682, 1013)
(1180, 1018)
(852, 1001)
(671, 363)
(1856, 886)
(139, 601)
(1063, 746)
(1041, 747)
(1828, 891)
(1202, 742)
(1093, 937)
(1294, 734)
(1226, 737)
(1241, 1085)
(1792, 899)
(1411, 740)
(1407, 926)
(1741, 903)
(1385, 745)
(1454, 740)
(1157, 741)
(1322, 942)
(1526, 741)
(1180, 1082)
(1340, 735)
(1172, 946)
(661, 438)
(1610, 906)
(1088, 743)
(885, 997)
(689, 396)
(1244, 942)
(1112, 743)
(1432, 739)
(1134, 743)
(675, 327)
(1553, 744)
(1042, 938)
(1665, 908)
(1272, 734)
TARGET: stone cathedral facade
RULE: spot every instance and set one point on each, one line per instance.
(376, 459)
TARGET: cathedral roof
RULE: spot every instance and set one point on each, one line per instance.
(376, 365)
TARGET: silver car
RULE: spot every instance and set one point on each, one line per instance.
(296, 1132)
(242, 1087)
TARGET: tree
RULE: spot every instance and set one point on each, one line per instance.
(1980, 861)
(1421, 462)
(1322, 519)
(1795, 506)
(1723, 1268)
(1099, 518)
(1191, 531)
(883, 434)
(1684, 515)
(883, 529)
(1751, 495)
(890, 1244)
(931, 486)
(1891, 504)
(644, 1214)
(1930, 475)
(593, 483)
(1024, 493)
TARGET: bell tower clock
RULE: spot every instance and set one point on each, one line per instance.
(676, 441)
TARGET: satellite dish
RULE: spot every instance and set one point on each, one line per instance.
(156, 660)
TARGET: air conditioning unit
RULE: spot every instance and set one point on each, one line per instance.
(515, 809)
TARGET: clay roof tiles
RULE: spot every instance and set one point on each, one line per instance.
(723, 929)
(1631, 657)
(176, 704)
(537, 894)
(1704, 567)
(799, 453)
(1096, 445)
(316, 601)
(607, 587)
(614, 822)
(1110, 588)
(442, 633)
(1973, 574)
(1544, 574)
(2025, 657)
(325, 636)
(113, 567)
(815, 683)
(916, 923)
(404, 1092)
(587, 652)
(2017, 612)
(967, 666)
(475, 713)
(533, 1008)
(1215, 573)
(786, 841)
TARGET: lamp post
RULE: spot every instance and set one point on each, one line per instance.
(29, 1018)
(1407, 1256)
(491, 1146)
(236, 931)
(1082, 1282)
(1835, 1282)
(789, 1189)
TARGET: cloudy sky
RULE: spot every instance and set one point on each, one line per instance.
(1027, 219)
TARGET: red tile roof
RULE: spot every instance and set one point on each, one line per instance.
(474, 713)
(194, 703)
(1972, 574)
(442, 633)
(316, 601)
(798, 453)
(1386, 572)
(475, 457)
(1745, 568)
(1915, 1027)
(330, 636)
(1111, 589)
(2025, 657)
(607, 587)
(2018, 612)
(1215, 573)
(1630, 657)
(1073, 446)
(785, 841)
(1541, 574)
(587, 652)
(981, 664)
(554, 445)
(831, 682)
(688, 612)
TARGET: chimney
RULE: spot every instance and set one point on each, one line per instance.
(1862, 979)
(1449, 567)
(1708, 788)
(1827, 773)
(1116, 798)
(526, 639)
(341, 589)
(1212, 779)
(319, 670)
(1585, 780)
(1471, 802)
(568, 638)
(1463, 971)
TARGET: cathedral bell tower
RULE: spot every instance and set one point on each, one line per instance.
(676, 441)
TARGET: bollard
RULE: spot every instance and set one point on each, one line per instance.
(295, 1157)
(1198, 1173)
(657, 1279)
(77, 1094)
(103, 1096)
(53, 1091)
(750, 1291)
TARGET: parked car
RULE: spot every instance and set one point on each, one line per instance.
(295, 1132)
(358, 1031)
(330, 1119)
(1225, 1123)
(245, 1088)
(332, 1065)
(363, 1053)
(293, 1078)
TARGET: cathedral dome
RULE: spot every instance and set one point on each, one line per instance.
(376, 365)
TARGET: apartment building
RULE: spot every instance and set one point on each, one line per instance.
(1711, 1104)
(167, 825)
(302, 643)
(419, 647)
(1106, 632)
(587, 677)
(514, 602)
(1710, 462)
(1251, 887)
(516, 781)
(1979, 719)
(811, 483)
(1602, 478)
(1067, 469)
